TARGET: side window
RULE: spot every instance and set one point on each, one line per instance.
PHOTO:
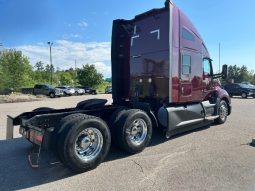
(186, 64)
(207, 67)
(187, 35)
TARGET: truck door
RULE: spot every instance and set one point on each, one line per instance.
(44, 90)
(185, 82)
(37, 89)
(190, 76)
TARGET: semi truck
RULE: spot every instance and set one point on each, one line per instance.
(162, 77)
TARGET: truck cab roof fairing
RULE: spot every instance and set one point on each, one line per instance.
(186, 23)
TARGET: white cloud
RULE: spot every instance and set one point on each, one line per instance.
(65, 52)
(68, 36)
(82, 25)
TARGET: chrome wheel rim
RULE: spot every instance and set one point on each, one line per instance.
(137, 132)
(243, 95)
(223, 112)
(88, 144)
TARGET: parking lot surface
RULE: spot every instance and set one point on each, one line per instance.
(211, 158)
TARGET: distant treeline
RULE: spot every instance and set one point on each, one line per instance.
(241, 74)
(16, 72)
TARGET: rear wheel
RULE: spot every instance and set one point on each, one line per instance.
(84, 142)
(132, 130)
(52, 95)
(244, 95)
(223, 113)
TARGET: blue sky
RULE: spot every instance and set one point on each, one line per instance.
(81, 29)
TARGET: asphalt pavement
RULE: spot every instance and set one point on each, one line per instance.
(210, 158)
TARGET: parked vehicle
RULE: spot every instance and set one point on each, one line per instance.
(242, 90)
(88, 90)
(249, 84)
(68, 91)
(78, 91)
(48, 90)
(108, 89)
(162, 76)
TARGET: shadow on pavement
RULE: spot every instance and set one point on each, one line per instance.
(16, 172)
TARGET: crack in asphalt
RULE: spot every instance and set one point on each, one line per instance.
(138, 165)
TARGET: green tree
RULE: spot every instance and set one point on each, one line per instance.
(39, 66)
(88, 76)
(240, 74)
(39, 75)
(16, 70)
(109, 80)
(66, 78)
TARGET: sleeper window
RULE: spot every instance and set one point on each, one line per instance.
(186, 64)
(187, 35)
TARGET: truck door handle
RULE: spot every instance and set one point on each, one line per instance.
(137, 56)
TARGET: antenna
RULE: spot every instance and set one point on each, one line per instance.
(219, 57)
(75, 71)
(168, 2)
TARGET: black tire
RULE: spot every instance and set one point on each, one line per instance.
(76, 93)
(244, 95)
(223, 113)
(115, 117)
(52, 95)
(43, 109)
(62, 130)
(65, 94)
(122, 130)
(72, 126)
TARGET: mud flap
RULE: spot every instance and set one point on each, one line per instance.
(9, 128)
(34, 156)
(37, 138)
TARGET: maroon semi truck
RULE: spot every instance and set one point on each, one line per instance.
(162, 77)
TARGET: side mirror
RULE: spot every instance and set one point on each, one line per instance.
(224, 73)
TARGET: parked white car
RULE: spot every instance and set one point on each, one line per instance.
(68, 91)
(78, 91)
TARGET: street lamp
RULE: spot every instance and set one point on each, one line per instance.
(51, 66)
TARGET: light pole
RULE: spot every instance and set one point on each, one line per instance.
(1, 44)
(51, 66)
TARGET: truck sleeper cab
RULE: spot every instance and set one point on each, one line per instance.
(162, 76)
